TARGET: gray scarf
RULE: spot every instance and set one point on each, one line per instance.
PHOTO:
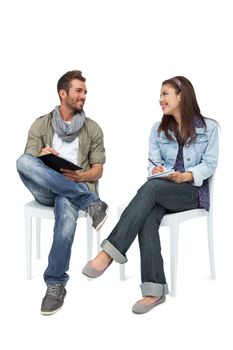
(67, 132)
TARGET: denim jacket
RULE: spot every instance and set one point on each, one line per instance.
(200, 156)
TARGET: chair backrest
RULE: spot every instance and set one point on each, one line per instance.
(211, 189)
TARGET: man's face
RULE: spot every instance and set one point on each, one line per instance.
(76, 96)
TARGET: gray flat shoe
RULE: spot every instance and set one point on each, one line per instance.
(139, 308)
(89, 271)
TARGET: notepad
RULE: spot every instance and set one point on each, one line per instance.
(56, 162)
(165, 173)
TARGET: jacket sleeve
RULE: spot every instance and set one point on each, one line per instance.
(154, 150)
(97, 150)
(34, 141)
(209, 160)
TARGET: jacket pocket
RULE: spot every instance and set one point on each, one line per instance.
(165, 145)
(200, 143)
(201, 139)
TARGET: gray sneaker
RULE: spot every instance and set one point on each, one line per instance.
(53, 299)
(98, 212)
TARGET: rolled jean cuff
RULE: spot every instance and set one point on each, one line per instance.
(113, 252)
(153, 289)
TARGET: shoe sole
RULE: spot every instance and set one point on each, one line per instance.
(48, 313)
(98, 227)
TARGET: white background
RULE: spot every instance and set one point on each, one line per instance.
(125, 50)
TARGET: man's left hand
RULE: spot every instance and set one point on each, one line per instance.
(73, 175)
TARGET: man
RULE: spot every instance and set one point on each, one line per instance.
(66, 132)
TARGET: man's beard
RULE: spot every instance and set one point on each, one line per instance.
(77, 110)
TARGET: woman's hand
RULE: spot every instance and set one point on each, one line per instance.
(157, 169)
(180, 177)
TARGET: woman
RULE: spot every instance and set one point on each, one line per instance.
(186, 142)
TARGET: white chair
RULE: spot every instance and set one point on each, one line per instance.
(173, 221)
(38, 211)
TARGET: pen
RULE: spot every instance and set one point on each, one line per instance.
(47, 145)
(154, 163)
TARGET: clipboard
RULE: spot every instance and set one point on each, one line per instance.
(56, 163)
(165, 173)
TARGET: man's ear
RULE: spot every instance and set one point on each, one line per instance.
(62, 94)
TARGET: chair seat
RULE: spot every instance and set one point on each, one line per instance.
(183, 216)
(35, 209)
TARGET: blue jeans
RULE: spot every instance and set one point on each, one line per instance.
(142, 217)
(53, 189)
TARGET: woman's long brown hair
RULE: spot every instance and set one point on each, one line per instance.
(189, 110)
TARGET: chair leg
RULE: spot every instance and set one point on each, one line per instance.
(89, 238)
(211, 247)
(121, 266)
(122, 271)
(98, 240)
(174, 256)
(28, 243)
(38, 244)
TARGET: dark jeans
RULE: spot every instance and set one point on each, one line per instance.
(142, 217)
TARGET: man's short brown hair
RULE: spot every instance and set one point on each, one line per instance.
(64, 82)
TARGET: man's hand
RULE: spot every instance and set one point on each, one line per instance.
(48, 150)
(91, 175)
(74, 175)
